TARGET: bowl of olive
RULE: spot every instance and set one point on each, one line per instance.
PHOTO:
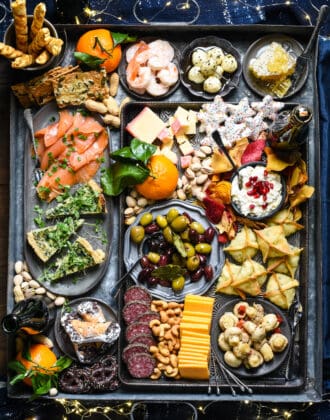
(173, 250)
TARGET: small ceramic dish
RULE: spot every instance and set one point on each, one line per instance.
(262, 88)
(9, 39)
(143, 94)
(256, 193)
(228, 80)
(91, 348)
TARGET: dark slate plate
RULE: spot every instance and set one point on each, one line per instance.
(97, 230)
(265, 368)
(132, 253)
(290, 45)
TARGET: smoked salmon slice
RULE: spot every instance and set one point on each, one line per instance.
(56, 130)
(51, 153)
(78, 160)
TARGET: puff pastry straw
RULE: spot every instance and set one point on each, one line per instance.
(38, 19)
(39, 41)
(9, 52)
(18, 8)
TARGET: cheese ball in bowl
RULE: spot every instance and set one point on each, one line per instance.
(210, 66)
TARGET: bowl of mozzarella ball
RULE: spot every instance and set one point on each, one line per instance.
(210, 66)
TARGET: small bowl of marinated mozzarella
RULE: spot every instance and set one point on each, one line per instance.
(210, 66)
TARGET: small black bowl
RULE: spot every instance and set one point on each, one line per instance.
(229, 80)
(248, 200)
(9, 39)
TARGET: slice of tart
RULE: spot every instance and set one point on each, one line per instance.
(49, 240)
(87, 200)
(79, 256)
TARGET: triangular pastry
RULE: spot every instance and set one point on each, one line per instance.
(243, 246)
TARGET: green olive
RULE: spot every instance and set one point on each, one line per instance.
(190, 250)
(137, 234)
(178, 284)
(172, 214)
(178, 260)
(185, 235)
(146, 219)
(198, 227)
(203, 248)
(192, 263)
(180, 223)
(153, 257)
(168, 234)
(161, 221)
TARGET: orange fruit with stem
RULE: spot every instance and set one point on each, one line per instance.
(99, 43)
(162, 180)
(42, 361)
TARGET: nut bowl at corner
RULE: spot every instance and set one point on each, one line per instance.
(210, 66)
(257, 193)
(9, 39)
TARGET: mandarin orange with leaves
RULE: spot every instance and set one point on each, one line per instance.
(99, 43)
(42, 361)
(162, 179)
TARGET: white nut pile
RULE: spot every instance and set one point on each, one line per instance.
(192, 184)
(26, 287)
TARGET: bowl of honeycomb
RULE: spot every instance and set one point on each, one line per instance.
(269, 64)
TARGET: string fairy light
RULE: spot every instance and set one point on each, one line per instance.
(287, 3)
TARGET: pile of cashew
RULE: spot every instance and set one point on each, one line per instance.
(26, 287)
(167, 332)
(249, 336)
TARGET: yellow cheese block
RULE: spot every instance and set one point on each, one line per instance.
(191, 371)
(195, 303)
(186, 344)
(189, 333)
(201, 328)
(194, 353)
(196, 313)
(196, 320)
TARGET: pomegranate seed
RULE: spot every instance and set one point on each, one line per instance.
(264, 206)
(271, 185)
(251, 206)
(264, 197)
(248, 184)
(265, 172)
(251, 192)
(256, 195)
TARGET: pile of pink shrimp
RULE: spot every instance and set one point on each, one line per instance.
(150, 68)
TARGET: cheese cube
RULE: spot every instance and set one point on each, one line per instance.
(146, 126)
(194, 371)
(192, 121)
(166, 135)
(185, 161)
(186, 148)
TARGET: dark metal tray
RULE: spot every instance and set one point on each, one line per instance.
(307, 385)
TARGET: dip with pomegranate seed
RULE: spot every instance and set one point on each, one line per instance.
(255, 192)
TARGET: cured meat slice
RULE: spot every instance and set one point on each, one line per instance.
(146, 339)
(132, 349)
(133, 309)
(137, 293)
(148, 316)
(137, 328)
(141, 365)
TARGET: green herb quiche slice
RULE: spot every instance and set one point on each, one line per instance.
(87, 200)
(79, 256)
(50, 239)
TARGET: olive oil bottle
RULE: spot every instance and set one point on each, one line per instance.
(31, 316)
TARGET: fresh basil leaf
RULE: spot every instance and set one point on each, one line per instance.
(119, 38)
(121, 175)
(90, 60)
(142, 150)
(178, 243)
(168, 272)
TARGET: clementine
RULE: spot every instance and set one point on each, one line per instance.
(99, 43)
(162, 180)
(42, 360)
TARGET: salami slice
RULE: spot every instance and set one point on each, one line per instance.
(137, 293)
(133, 309)
(146, 339)
(148, 316)
(141, 365)
(132, 349)
(137, 328)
